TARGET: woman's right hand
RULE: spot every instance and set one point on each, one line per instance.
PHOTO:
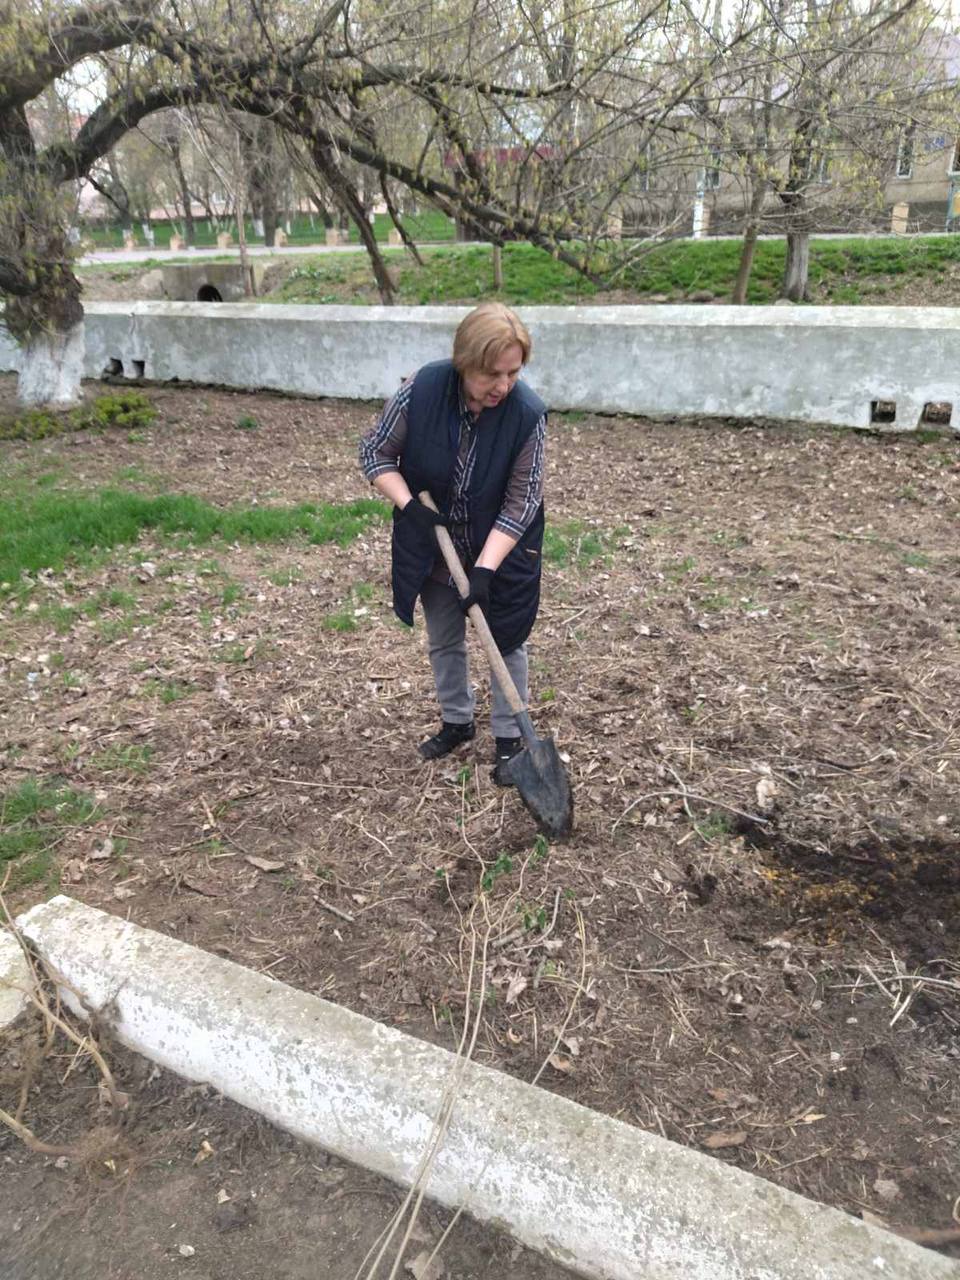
(420, 517)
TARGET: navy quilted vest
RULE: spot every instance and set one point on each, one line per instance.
(428, 462)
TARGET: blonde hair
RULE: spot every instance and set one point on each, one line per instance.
(484, 335)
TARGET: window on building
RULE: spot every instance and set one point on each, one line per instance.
(905, 151)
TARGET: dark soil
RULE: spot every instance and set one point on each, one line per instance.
(749, 649)
(188, 1183)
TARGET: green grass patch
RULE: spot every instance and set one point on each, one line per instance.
(34, 816)
(128, 409)
(45, 530)
(573, 542)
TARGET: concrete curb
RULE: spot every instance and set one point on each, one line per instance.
(15, 979)
(608, 1200)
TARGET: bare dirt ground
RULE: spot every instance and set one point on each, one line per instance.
(749, 650)
(194, 1185)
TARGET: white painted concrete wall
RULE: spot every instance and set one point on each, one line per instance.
(812, 364)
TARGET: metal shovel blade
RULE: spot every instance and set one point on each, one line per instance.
(538, 774)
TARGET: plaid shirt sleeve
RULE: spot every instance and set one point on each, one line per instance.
(525, 487)
(382, 445)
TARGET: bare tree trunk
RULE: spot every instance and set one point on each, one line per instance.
(49, 326)
(269, 215)
(751, 231)
(43, 311)
(173, 142)
(119, 197)
(397, 221)
(321, 206)
(793, 198)
(497, 268)
(241, 227)
(351, 203)
(796, 270)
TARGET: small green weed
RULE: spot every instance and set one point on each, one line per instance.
(541, 847)
(714, 826)
(287, 577)
(502, 867)
(346, 619)
(917, 560)
(342, 621)
(231, 594)
(549, 694)
(122, 759)
(716, 602)
(533, 918)
(116, 628)
(248, 423)
(61, 616)
(112, 599)
(167, 690)
(676, 572)
(239, 652)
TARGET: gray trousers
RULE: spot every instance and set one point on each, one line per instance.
(446, 637)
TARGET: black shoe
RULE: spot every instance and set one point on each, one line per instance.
(507, 748)
(449, 737)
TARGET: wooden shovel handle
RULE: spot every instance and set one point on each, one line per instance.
(475, 613)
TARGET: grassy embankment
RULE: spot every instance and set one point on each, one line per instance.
(847, 271)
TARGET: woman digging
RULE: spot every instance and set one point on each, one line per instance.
(471, 434)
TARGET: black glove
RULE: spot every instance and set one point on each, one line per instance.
(422, 518)
(480, 580)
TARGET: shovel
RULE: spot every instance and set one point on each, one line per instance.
(537, 770)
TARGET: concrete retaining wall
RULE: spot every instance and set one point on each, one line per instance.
(812, 364)
(611, 1201)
